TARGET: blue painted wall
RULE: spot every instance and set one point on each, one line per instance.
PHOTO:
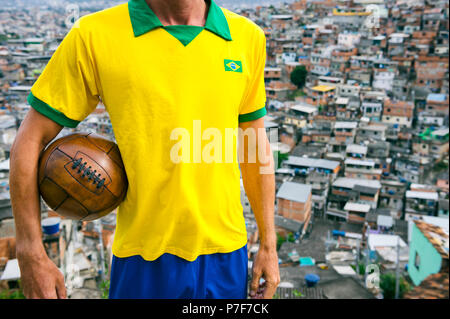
(430, 259)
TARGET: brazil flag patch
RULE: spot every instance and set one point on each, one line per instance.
(233, 65)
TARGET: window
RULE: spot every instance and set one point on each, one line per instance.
(417, 261)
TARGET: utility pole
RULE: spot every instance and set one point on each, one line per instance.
(358, 247)
(397, 270)
(99, 229)
(367, 252)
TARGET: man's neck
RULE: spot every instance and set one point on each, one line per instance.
(180, 12)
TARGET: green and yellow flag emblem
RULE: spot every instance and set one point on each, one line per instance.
(233, 65)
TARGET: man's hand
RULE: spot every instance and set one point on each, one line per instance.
(40, 277)
(265, 266)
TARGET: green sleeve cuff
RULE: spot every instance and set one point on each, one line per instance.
(247, 117)
(50, 112)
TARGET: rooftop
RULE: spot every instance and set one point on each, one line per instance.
(351, 161)
(294, 191)
(312, 162)
(304, 108)
(352, 182)
(384, 240)
(433, 287)
(356, 207)
(288, 223)
(355, 148)
(323, 88)
(346, 125)
(436, 236)
(422, 195)
(436, 97)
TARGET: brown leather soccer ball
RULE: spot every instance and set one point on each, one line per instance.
(81, 176)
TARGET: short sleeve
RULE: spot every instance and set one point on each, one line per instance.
(66, 91)
(253, 104)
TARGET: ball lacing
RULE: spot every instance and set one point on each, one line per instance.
(91, 174)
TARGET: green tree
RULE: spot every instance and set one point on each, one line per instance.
(440, 166)
(12, 294)
(281, 157)
(104, 289)
(290, 238)
(387, 284)
(298, 76)
(280, 240)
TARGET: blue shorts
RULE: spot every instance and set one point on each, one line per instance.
(219, 276)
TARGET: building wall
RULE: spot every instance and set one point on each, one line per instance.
(294, 121)
(363, 175)
(430, 71)
(295, 210)
(430, 259)
(424, 148)
(349, 39)
(369, 200)
(400, 120)
(383, 80)
(438, 107)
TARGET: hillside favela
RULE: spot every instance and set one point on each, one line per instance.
(358, 120)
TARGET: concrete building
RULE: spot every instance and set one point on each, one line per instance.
(294, 202)
(398, 112)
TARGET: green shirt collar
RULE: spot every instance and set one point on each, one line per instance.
(143, 19)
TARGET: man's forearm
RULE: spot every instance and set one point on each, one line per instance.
(40, 276)
(259, 184)
(260, 189)
(25, 195)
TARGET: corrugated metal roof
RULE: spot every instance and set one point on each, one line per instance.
(287, 223)
(351, 182)
(383, 240)
(294, 191)
(357, 207)
(305, 108)
(345, 124)
(422, 195)
(355, 148)
(352, 161)
(312, 162)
